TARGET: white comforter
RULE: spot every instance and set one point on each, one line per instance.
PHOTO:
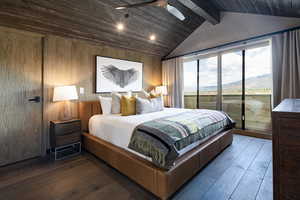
(118, 129)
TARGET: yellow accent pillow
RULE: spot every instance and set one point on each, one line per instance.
(128, 105)
(154, 95)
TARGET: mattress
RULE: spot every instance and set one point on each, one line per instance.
(117, 129)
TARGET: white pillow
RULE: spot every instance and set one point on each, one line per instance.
(105, 105)
(153, 92)
(148, 105)
(162, 101)
(129, 93)
(143, 94)
(116, 103)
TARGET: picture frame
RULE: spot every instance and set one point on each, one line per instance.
(114, 74)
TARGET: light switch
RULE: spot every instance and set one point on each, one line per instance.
(81, 90)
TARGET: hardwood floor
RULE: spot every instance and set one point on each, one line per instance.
(243, 171)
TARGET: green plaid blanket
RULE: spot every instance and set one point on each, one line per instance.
(163, 138)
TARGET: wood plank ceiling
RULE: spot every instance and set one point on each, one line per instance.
(95, 20)
(286, 8)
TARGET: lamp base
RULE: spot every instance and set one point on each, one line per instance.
(66, 114)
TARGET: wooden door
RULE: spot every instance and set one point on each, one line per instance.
(20, 80)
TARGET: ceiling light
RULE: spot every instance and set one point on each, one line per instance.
(174, 11)
(152, 37)
(120, 26)
(120, 8)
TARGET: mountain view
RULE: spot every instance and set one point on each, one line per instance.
(259, 84)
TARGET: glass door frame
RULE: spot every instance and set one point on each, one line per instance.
(243, 95)
(199, 57)
(218, 54)
(243, 90)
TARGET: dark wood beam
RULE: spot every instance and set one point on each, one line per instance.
(204, 9)
(192, 20)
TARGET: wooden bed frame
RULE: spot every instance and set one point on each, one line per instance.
(160, 182)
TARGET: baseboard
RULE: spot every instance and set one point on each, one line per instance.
(256, 134)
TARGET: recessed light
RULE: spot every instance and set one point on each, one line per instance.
(152, 37)
(120, 26)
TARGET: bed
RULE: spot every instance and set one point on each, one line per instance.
(102, 138)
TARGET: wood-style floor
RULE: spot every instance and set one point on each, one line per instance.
(242, 172)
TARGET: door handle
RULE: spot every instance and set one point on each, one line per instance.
(36, 99)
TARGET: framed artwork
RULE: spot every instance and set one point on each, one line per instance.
(118, 75)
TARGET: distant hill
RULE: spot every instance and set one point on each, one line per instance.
(258, 82)
(263, 81)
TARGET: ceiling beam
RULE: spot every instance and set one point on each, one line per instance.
(203, 8)
(192, 20)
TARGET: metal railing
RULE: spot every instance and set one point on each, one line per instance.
(257, 108)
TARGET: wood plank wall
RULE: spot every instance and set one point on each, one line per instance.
(72, 62)
(20, 80)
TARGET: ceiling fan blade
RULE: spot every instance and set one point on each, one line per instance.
(153, 2)
(174, 11)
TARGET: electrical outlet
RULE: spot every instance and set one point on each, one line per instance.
(81, 90)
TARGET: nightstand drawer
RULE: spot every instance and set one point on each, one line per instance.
(67, 128)
(65, 132)
(62, 140)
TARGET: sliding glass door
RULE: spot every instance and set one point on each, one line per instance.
(190, 84)
(208, 83)
(201, 83)
(258, 88)
(232, 85)
(238, 82)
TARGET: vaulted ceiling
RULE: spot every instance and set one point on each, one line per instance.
(287, 8)
(95, 20)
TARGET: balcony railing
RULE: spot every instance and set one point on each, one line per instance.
(257, 108)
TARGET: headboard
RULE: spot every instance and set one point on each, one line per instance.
(86, 110)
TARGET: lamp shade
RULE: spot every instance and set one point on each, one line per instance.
(161, 90)
(65, 93)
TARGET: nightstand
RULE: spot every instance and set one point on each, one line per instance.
(65, 138)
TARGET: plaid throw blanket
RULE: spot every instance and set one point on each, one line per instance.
(163, 138)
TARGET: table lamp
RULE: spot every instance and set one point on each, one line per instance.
(162, 90)
(65, 94)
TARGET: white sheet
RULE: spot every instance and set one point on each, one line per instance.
(118, 129)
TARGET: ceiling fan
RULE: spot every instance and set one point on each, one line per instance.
(159, 3)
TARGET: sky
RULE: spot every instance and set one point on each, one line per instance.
(258, 62)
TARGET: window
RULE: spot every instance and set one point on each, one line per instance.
(208, 82)
(237, 81)
(190, 84)
(232, 87)
(258, 88)
(201, 83)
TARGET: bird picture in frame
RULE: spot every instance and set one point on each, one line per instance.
(118, 75)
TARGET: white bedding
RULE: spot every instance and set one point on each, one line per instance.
(118, 129)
